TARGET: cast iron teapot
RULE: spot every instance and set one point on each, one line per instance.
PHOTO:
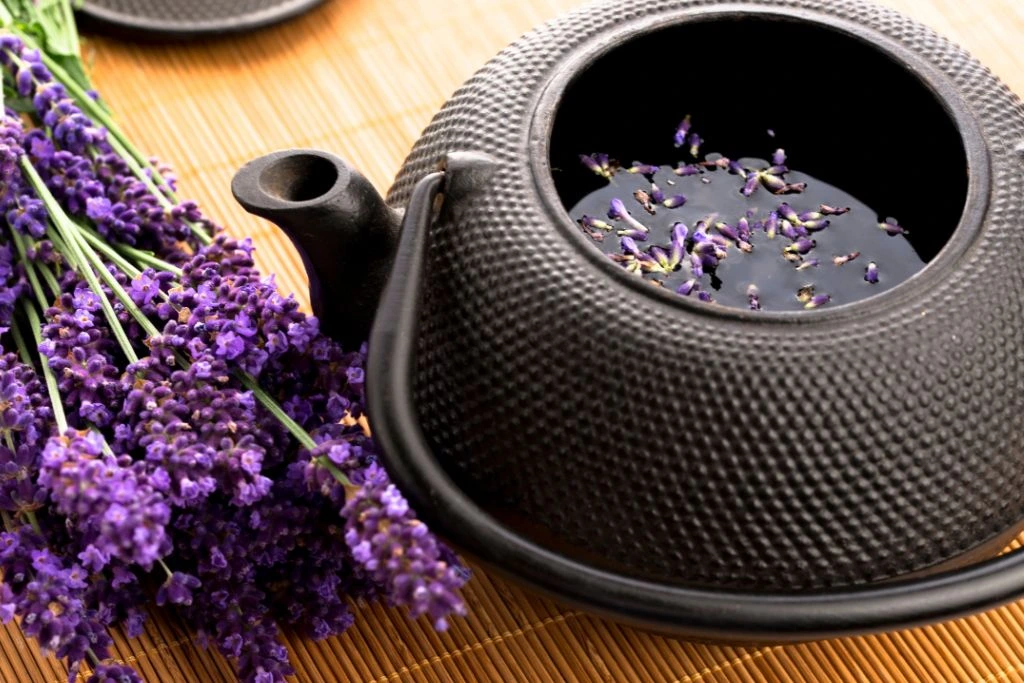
(659, 460)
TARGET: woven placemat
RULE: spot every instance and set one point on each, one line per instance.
(362, 78)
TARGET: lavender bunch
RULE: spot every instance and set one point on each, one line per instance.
(174, 429)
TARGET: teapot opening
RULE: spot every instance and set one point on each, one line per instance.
(848, 114)
(299, 177)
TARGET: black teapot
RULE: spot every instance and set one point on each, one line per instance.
(643, 455)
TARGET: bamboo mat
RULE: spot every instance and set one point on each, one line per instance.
(362, 78)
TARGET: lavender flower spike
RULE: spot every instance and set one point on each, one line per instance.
(845, 258)
(681, 132)
(892, 227)
(818, 300)
(674, 202)
(617, 211)
(398, 553)
(871, 273)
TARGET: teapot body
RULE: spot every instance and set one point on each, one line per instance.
(658, 439)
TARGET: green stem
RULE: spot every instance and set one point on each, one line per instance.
(165, 568)
(19, 341)
(35, 325)
(68, 231)
(51, 379)
(51, 281)
(105, 248)
(122, 296)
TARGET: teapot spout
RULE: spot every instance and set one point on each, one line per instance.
(340, 225)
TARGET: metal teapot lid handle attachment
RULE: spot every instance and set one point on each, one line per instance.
(696, 612)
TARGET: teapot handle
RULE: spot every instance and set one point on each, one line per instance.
(695, 612)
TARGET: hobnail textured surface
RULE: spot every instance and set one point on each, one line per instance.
(658, 441)
(194, 16)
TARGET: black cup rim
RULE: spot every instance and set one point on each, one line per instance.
(979, 173)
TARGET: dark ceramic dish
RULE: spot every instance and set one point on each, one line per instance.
(187, 18)
(711, 472)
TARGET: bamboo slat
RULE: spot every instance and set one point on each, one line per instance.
(362, 78)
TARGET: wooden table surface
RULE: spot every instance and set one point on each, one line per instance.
(362, 78)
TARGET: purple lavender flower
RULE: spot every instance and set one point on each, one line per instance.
(591, 222)
(682, 131)
(754, 297)
(787, 212)
(695, 141)
(657, 194)
(396, 550)
(687, 287)
(737, 169)
(772, 182)
(779, 157)
(177, 589)
(771, 225)
(892, 227)
(845, 258)
(114, 673)
(871, 273)
(801, 246)
(705, 296)
(809, 263)
(617, 211)
(833, 211)
(117, 508)
(674, 201)
(643, 169)
(599, 164)
(678, 248)
(818, 300)
(687, 170)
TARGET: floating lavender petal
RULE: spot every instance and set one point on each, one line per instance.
(809, 263)
(833, 211)
(644, 200)
(892, 227)
(754, 297)
(657, 195)
(871, 273)
(674, 202)
(845, 258)
(643, 169)
(818, 300)
(687, 287)
(682, 130)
